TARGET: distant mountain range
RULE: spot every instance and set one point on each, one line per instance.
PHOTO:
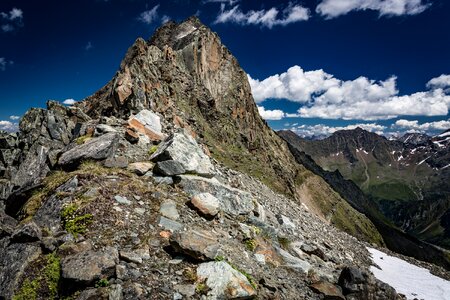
(408, 178)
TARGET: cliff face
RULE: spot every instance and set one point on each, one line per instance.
(186, 75)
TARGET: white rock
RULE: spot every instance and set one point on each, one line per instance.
(206, 203)
(224, 282)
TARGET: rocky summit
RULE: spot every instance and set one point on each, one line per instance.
(167, 184)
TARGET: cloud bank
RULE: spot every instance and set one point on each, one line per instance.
(324, 96)
(325, 130)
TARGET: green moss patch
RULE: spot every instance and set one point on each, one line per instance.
(42, 280)
(74, 221)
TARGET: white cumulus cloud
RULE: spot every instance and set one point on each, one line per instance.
(334, 8)
(14, 14)
(14, 118)
(324, 96)
(265, 18)
(11, 20)
(229, 2)
(295, 84)
(9, 126)
(149, 16)
(415, 126)
(69, 101)
(442, 81)
(271, 114)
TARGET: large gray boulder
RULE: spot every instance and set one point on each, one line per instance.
(98, 148)
(183, 149)
(14, 259)
(85, 268)
(232, 201)
(224, 282)
(33, 169)
(199, 244)
(7, 224)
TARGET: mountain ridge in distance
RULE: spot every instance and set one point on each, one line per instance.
(406, 178)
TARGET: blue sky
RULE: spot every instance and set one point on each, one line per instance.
(314, 66)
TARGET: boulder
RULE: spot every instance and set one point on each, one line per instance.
(49, 213)
(199, 244)
(130, 256)
(350, 280)
(122, 200)
(169, 210)
(293, 262)
(7, 224)
(313, 249)
(328, 290)
(285, 222)
(14, 259)
(147, 123)
(33, 169)
(224, 282)
(98, 148)
(232, 201)
(140, 168)
(182, 148)
(116, 162)
(169, 168)
(168, 224)
(7, 140)
(131, 135)
(206, 204)
(28, 233)
(57, 126)
(102, 129)
(85, 268)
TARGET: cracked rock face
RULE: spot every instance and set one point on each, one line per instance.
(184, 150)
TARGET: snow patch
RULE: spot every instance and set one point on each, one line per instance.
(445, 167)
(365, 152)
(439, 144)
(412, 281)
(444, 134)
